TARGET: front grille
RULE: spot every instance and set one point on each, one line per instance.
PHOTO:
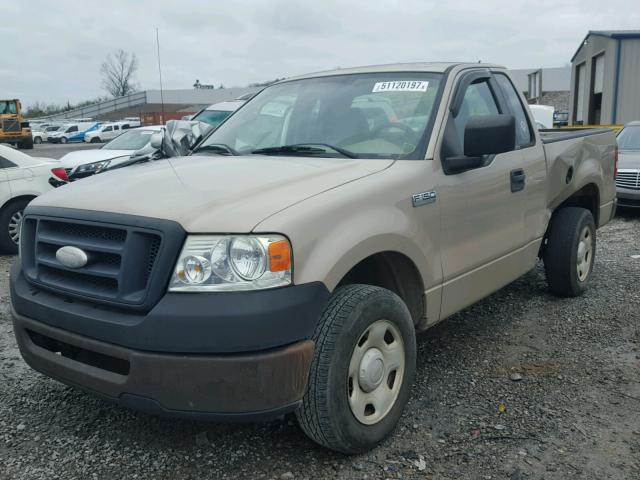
(628, 179)
(121, 262)
(11, 125)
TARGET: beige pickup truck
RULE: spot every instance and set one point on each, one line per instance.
(287, 264)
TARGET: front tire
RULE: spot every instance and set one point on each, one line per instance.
(63, 140)
(361, 374)
(570, 251)
(10, 225)
(95, 140)
(37, 140)
(27, 144)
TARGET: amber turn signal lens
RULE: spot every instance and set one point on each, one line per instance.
(279, 256)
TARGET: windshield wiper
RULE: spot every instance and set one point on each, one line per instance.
(302, 148)
(217, 148)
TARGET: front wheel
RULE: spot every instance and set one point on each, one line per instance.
(63, 140)
(37, 140)
(570, 251)
(95, 140)
(362, 370)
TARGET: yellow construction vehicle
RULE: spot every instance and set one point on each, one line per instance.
(13, 127)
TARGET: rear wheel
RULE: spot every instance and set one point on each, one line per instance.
(37, 140)
(11, 225)
(26, 144)
(361, 374)
(570, 251)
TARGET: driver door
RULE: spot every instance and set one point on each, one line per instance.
(482, 219)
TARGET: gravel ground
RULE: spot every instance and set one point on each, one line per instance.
(520, 386)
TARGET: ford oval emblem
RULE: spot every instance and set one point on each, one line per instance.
(72, 257)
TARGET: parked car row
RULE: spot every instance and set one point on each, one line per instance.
(80, 130)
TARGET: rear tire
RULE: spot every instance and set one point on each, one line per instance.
(10, 225)
(363, 367)
(37, 140)
(570, 251)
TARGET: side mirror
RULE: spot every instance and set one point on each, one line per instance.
(156, 140)
(484, 135)
(489, 135)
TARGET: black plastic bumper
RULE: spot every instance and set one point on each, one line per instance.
(221, 356)
(228, 322)
(244, 387)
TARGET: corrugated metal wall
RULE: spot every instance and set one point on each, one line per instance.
(629, 86)
(596, 45)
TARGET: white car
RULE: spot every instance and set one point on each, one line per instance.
(83, 163)
(22, 178)
(105, 132)
(41, 134)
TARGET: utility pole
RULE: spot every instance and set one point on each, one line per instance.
(160, 75)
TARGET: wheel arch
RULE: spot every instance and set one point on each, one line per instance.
(587, 197)
(17, 198)
(394, 271)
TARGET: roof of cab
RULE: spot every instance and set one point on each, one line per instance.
(431, 67)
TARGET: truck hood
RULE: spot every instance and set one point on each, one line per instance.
(81, 157)
(211, 194)
(629, 159)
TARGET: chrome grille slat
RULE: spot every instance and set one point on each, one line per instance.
(628, 179)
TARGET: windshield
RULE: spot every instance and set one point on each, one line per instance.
(8, 107)
(130, 140)
(212, 117)
(629, 138)
(379, 115)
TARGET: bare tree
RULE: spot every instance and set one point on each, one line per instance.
(117, 73)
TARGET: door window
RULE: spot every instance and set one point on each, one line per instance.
(524, 136)
(478, 100)
(107, 129)
(4, 163)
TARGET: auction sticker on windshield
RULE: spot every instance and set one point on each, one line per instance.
(401, 86)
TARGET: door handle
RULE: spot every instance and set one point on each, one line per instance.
(517, 180)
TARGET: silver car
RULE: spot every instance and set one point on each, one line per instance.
(628, 179)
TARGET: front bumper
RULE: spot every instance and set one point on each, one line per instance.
(227, 356)
(628, 197)
(215, 387)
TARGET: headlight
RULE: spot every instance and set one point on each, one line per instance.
(210, 263)
(95, 167)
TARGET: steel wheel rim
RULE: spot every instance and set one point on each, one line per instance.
(375, 372)
(585, 254)
(15, 225)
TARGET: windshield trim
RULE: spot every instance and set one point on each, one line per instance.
(421, 149)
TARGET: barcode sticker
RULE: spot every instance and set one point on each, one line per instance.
(401, 86)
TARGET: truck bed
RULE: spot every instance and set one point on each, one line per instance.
(552, 135)
(578, 158)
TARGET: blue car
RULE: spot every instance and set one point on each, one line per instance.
(73, 132)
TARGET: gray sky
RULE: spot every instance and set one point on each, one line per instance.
(54, 49)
